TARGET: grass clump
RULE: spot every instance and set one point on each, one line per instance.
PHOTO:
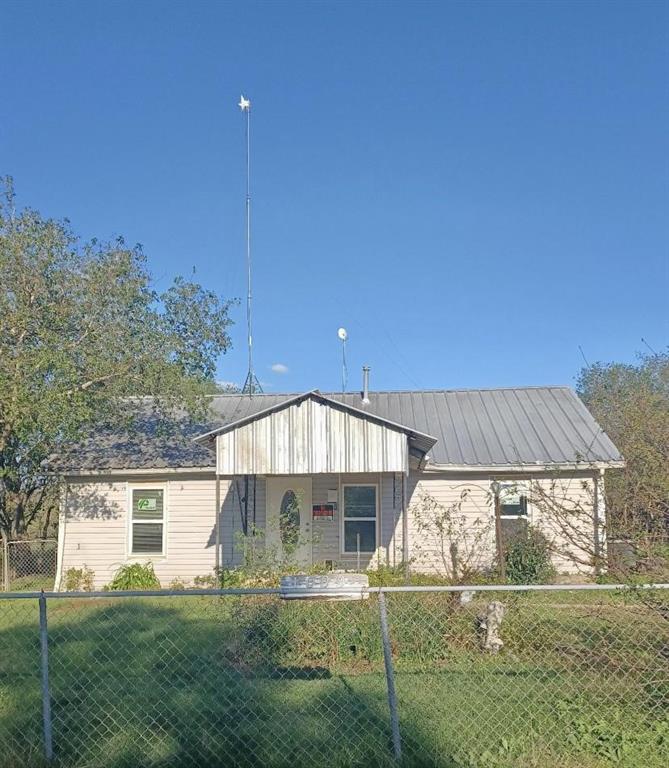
(134, 576)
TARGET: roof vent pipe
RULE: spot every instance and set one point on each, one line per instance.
(365, 384)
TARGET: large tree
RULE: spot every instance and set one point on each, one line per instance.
(81, 327)
(631, 403)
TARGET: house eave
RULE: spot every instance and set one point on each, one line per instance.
(140, 471)
(580, 466)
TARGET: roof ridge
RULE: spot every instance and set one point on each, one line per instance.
(393, 391)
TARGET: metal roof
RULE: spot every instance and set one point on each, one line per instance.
(422, 441)
(483, 428)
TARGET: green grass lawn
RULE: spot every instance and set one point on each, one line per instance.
(255, 682)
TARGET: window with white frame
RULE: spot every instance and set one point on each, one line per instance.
(147, 525)
(512, 500)
(513, 510)
(359, 519)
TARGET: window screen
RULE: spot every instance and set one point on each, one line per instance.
(359, 518)
(148, 509)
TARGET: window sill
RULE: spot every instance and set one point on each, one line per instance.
(355, 554)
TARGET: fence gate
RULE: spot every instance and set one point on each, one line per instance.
(28, 565)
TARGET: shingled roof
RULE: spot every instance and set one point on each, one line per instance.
(542, 426)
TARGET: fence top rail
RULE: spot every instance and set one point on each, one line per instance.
(11, 542)
(334, 591)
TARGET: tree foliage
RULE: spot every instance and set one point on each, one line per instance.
(631, 403)
(81, 326)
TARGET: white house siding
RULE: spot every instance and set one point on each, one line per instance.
(573, 530)
(94, 527)
(94, 524)
(469, 496)
(465, 497)
(326, 535)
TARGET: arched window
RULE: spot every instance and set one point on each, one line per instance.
(289, 520)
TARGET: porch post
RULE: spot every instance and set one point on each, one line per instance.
(218, 523)
(405, 522)
(598, 482)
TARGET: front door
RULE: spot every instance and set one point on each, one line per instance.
(288, 534)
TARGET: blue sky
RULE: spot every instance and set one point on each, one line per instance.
(472, 189)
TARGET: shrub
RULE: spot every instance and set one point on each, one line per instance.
(134, 576)
(79, 579)
(528, 558)
(178, 585)
(208, 581)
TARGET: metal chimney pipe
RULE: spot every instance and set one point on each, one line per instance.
(365, 384)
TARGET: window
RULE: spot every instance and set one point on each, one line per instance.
(513, 510)
(512, 500)
(147, 529)
(359, 519)
(289, 520)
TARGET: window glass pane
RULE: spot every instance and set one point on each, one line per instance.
(360, 501)
(512, 502)
(147, 504)
(147, 538)
(367, 531)
(289, 519)
(517, 508)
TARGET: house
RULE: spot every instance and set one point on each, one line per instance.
(350, 480)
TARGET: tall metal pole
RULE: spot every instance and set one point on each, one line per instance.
(248, 237)
(251, 385)
(344, 372)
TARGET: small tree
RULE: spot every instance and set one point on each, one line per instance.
(462, 542)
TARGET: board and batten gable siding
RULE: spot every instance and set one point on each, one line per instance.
(95, 523)
(308, 438)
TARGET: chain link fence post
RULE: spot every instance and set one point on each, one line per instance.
(46, 694)
(5, 564)
(390, 678)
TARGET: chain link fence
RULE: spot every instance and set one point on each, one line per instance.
(28, 565)
(407, 676)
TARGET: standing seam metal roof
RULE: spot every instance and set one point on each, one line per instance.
(480, 427)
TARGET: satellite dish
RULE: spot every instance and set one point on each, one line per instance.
(342, 334)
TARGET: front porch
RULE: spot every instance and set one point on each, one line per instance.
(352, 520)
(317, 481)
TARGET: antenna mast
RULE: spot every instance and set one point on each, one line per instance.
(251, 385)
(343, 335)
